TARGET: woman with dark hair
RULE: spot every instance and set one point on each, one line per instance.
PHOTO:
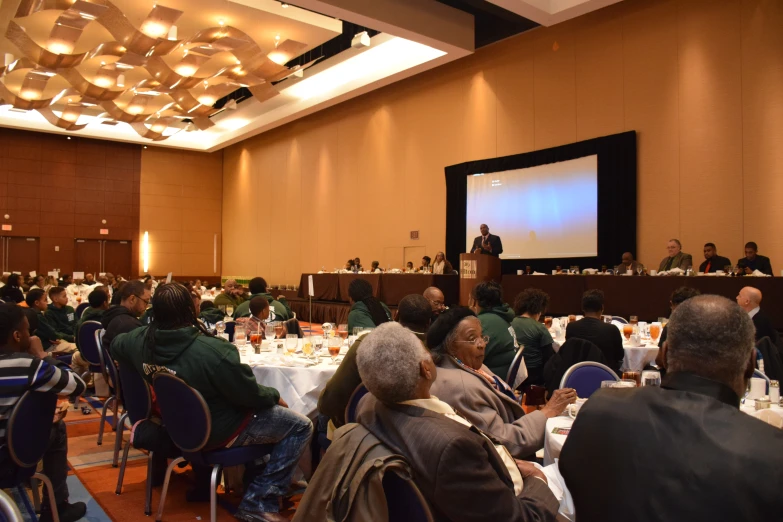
(531, 334)
(441, 265)
(486, 300)
(243, 412)
(366, 310)
(12, 291)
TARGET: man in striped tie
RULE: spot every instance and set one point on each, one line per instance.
(24, 365)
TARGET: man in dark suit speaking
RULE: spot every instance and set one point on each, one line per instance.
(486, 243)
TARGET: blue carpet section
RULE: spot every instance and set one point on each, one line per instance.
(79, 494)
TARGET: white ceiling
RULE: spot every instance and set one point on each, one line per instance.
(551, 12)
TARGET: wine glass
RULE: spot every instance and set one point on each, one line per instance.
(640, 269)
(655, 331)
(291, 343)
(269, 330)
(548, 321)
(220, 327)
(240, 337)
(334, 345)
(307, 347)
(342, 331)
(627, 331)
(318, 342)
(634, 320)
(727, 269)
(230, 310)
(278, 329)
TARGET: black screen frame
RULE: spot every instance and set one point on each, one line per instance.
(617, 199)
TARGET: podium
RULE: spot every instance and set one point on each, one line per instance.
(475, 269)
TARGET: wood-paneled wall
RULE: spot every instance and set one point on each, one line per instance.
(60, 189)
(701, 81)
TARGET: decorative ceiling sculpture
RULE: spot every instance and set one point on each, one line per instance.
(145, 77)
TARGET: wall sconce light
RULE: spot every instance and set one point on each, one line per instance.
(145, 251)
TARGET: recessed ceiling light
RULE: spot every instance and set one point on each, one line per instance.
(283, 5)
(67, 137)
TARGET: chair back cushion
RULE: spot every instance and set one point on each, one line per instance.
(184, 412)
(88, 342)
(81, 308)
(586, 377)
(136, 396)
(353, 403)
(230, 327)
(403, 499)
(30, 426)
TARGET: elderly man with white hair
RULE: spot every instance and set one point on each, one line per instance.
(463, 474)
(684, 450)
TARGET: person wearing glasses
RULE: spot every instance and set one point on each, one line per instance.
(134, 297)
(457, 345)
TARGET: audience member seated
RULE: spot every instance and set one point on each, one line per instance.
(196, 300)
(259, 312)
(258, 288)
(26, 366)
(409, 267)
(77, 292)
(232, 295)
(749, 299)
(134, 297)
(678, 297)
(486, 300)
(533, 337)
(99, 303)
(441, 265)
(366, 310)
(357, 264)
(463, 474)
(712, 261)
(38, 282)
(426, 264)
(12, 291)
(484, 399)
(628, 263)
(414, 313)
(243, 412)
(89, 280)
(210, 314)
(684, 450)
(676, 258)
(60, 315)
(51, 339)
(65, 281)
(592, 328)
(752, 261)
(49, 283)
(436, 299)
(375, 268)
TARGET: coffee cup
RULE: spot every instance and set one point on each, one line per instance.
(520, 272)
(653, 272)
(573, 409)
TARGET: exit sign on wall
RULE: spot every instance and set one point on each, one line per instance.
(7, 227)
(104, 231)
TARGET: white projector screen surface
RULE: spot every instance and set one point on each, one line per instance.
(547, 211)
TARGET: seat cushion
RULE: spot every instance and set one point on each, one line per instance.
(229, 456)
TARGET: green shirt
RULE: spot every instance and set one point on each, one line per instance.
(533, 336)
(46, 332)
(63, 320)
(228, 300)
(359, 316)
(502, 345)
(281, 308)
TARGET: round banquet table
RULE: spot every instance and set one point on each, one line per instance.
(299, 381)
(637, 357)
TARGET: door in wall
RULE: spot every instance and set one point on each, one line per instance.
(87, 254)
(20, 254)
(117, 258)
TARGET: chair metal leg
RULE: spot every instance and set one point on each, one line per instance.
(36, 497)
(118, 441)
(213, 493)
(162, 501)
(148, 498)
(50, 490)
(122, 468)
(103, 419)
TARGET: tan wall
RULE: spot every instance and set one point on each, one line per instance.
(181, 199)
(701, 81)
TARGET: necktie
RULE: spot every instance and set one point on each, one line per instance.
(669, 264)
(707, 268)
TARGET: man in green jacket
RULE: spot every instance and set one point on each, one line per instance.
(258, 288)
(243, 412)
(366, 310)
(495, 316)
(232, 295)
(61, 316)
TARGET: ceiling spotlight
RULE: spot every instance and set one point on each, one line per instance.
(144, 145)
(230, 105)
(221, 22)
(361, 40)
(172, 32)
(121, 80)
(8, 59)
(67, 137)
(283, 5)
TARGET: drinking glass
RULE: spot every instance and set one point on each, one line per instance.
(633, 376)
(240, 337)
(222, 308)
(334, 345)
(291, 342)
(269, 329)
(603, 269)
(634, 320)
(278, 329)
(230, 310)
(655, 331)
(527, 270)
(608, 384)
(255, 340)
(627, 331)
(548, 321)
(342, 331)
(639, 270)
(220, 327)
(727, 269)
(651, 378)
(351, 340)
(624, 383)
(558, 269)
(607, 319)
(318, 342)
(571, 318)
(307, 347)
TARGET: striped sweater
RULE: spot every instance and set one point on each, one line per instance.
(20, 372)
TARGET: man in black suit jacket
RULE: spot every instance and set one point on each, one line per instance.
(752, 261)
(749, 299)
(461, 472)
(712, 261)
(684, 450)
(486, 243)
(592, 328)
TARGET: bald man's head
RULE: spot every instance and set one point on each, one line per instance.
(627, 258)
(436, 299)
(749, 298)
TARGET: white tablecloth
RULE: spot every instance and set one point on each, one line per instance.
(636, 358)
(553, 443)
(299, 385)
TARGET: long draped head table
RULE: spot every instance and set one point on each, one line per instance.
(646, 297)
(389, 288)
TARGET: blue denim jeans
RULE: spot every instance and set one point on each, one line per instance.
(290, 432)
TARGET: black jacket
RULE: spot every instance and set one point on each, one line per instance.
(604, 335)
(681, 452)
(494, 242)
(11, 294)
(573, 351)
(716, 263)
(761, 263)
(764, 327)
(117, 320)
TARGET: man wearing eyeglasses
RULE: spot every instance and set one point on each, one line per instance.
(123, 318)
(437, 301)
